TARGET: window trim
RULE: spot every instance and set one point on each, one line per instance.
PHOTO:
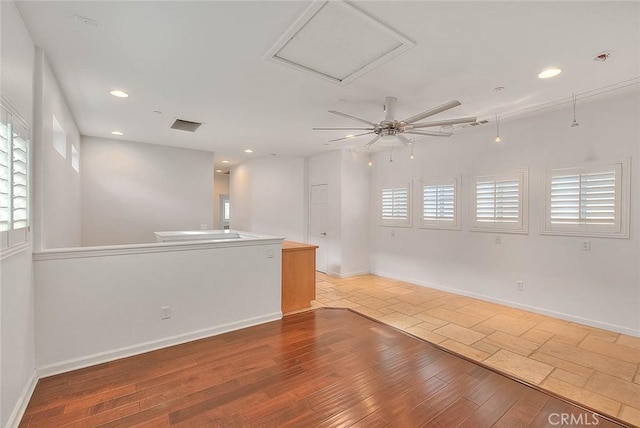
(622, 192)
(396, 223)
(522, 226)
(454, 224)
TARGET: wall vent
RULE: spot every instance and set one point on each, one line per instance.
(481, 122)
(185, 125)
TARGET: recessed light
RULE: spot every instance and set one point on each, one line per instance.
(498, 89)
(119, 94)
(117, 133)
(350, 136)
(157, 112)
(549, 72)
(225, 161)
(218, 170)
(248, 151)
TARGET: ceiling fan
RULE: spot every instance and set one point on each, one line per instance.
(390, 127)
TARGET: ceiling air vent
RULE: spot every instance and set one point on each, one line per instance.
(186, 125)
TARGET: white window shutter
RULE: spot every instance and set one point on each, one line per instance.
(499, 203)
(440, 204)
(588, 200)
(396, 206)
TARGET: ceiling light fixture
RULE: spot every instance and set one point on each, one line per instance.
(248, 151)
(117, 133)
(549, 72)
(411, 157)
(370, 163)
(497, 140)
(218, 170)
(225, 161)
(575, 122)
(119, 94)
(350, 136)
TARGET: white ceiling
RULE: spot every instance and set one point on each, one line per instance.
(205, 61)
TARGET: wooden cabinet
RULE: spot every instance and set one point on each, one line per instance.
(298, 275)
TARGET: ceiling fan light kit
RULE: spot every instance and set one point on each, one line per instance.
(394, 130)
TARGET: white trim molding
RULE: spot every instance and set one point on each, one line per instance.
(23, 401)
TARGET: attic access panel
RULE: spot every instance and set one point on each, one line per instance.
(337, 42)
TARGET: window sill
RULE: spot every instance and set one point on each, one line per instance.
(578, 233)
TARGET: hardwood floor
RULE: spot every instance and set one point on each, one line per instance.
(323, 368)
(597, 368)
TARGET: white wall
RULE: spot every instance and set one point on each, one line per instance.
(58, 197)
(17, 354)
(600, 287)
(268, 196)
(220, 187)
(355, 208)
(99, 307)
(130, 190)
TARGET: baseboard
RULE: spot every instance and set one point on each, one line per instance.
(350, 274)
(562, 315)
(23, 401)
(103, 357)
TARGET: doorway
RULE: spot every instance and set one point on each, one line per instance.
(225, 211)
(318, 224)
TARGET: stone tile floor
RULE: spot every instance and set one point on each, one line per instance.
(594, 367)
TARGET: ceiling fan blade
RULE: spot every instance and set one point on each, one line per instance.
(348, 116)
(342, 129)
(370, 143)
(442, 122)
(404, 140)
(432, 134)
(444, 107)
(351, 137)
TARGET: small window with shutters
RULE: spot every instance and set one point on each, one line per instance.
(500, 203)
(588, 201)
(440, 207)
(14, 180)
(396, 206)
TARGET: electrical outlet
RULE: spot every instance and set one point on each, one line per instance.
(520, 285)
(270, 253)
(586, 245)
(498, 239)
(165, 312)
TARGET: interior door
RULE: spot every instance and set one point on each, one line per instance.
(318, 224)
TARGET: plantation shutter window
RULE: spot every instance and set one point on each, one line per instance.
(499, 203)
(14, 180)
(440, 204)
(396, 206)
(5, 131)
(587, 201)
